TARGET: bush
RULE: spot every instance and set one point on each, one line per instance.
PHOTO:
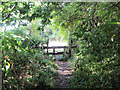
(23, 65)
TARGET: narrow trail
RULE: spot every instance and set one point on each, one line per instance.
(64, 73)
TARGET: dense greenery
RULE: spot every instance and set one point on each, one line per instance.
(95, 27)
(24, 64)
(97, 31)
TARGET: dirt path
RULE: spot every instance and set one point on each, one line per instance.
(64, 73)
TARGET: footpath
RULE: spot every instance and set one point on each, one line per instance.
(64, 73)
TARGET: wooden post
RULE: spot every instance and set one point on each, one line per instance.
(64, 52)
(47, 46)
(54, 53)
(1, 54)
(69, 41)
(64, 55)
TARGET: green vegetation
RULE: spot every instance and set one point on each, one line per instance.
(22, 63)
(98, 63)
(94, 27)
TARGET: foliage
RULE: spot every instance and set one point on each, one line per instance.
(98, 53)
(24, 66)
(13, 12)
(95, 26)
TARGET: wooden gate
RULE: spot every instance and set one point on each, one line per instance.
(57, 53)
(56, 47)
(69, 47)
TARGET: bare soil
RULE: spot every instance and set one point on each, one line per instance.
(64, 73)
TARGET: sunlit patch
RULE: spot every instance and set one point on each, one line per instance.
(58, 43)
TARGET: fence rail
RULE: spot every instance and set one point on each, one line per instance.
(45, 47)
(57, 47)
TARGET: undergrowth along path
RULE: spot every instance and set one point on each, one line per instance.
(64, 73)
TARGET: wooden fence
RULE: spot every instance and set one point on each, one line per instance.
(69, 47)
(57, 47)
